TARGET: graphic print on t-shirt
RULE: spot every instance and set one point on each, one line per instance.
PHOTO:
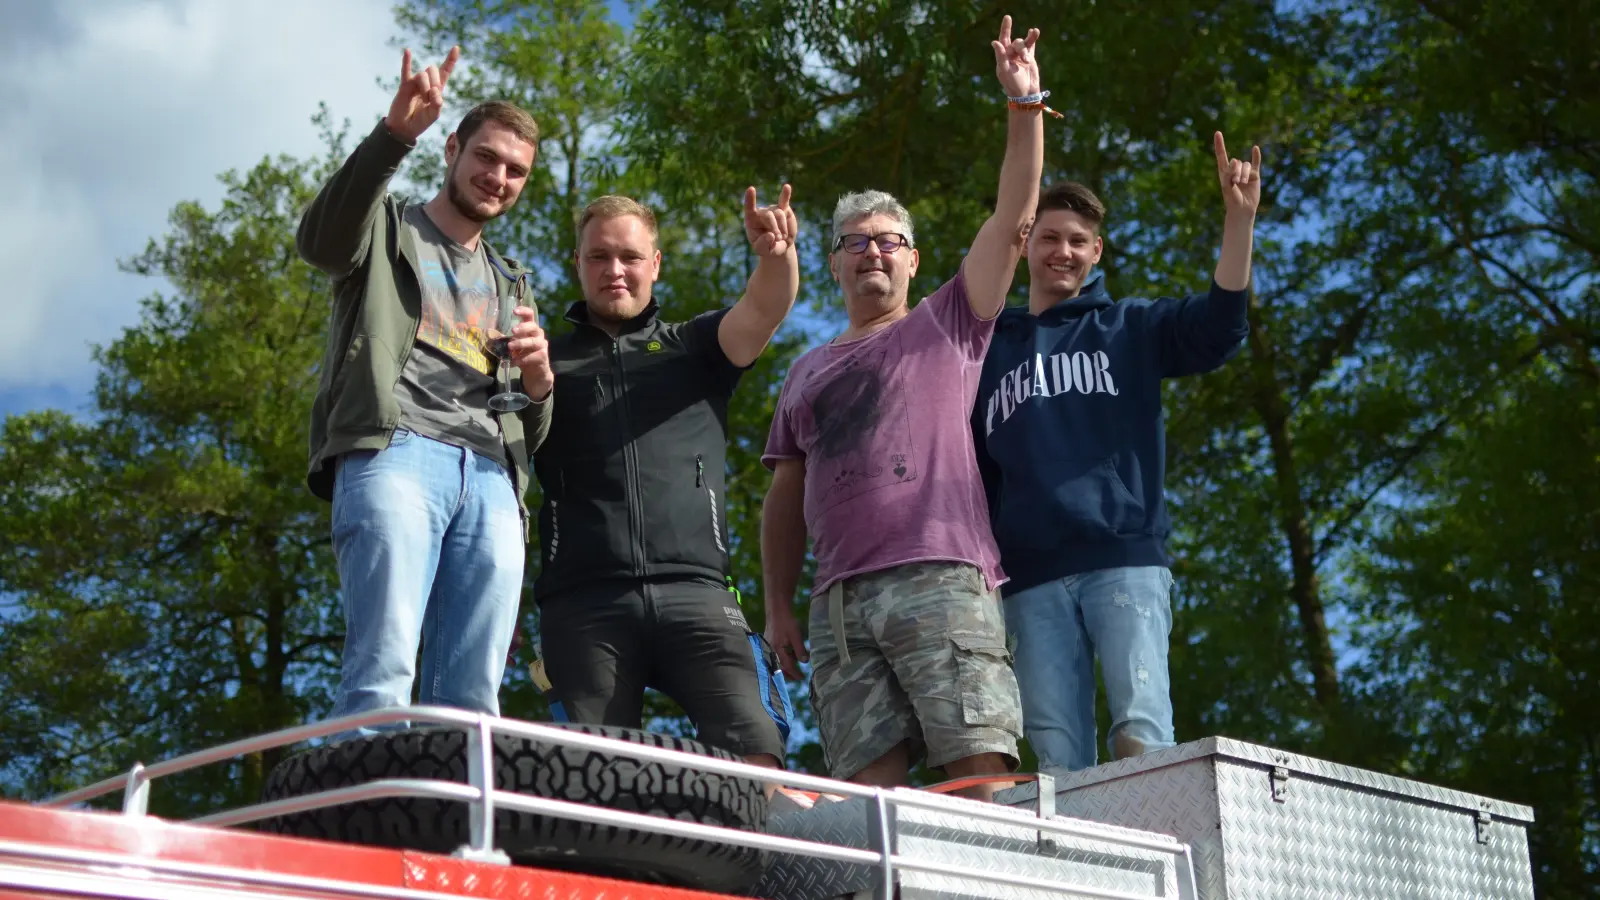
(456, 317)
(444, 388)
(862, 424)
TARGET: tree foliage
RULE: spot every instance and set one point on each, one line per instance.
(1385, 545)
(168, 575)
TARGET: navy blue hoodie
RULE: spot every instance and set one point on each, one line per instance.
(1069, 429)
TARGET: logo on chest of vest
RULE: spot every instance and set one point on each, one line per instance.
(1060, 373)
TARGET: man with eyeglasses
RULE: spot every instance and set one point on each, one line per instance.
(871, 455)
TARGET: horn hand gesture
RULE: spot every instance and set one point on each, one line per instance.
(420, 98)
(771, 229)
(1241, 181)
(1014, 61)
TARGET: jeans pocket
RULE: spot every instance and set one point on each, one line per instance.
(401, 436)
(346, 469)
(988, 686)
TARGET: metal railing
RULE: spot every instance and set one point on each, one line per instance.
(483, 799)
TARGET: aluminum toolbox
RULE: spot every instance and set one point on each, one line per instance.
(1262, 823)
(982, 858)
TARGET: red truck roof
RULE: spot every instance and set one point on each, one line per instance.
(54, 853)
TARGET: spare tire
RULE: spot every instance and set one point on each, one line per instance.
(539, 769)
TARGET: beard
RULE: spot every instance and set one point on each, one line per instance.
(458, 198)
(617, 310)
(876, 291)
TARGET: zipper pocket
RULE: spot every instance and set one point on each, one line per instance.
(555, 529)
(716, 526)
(711, 495)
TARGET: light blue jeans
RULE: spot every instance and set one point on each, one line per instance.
(1123, 615)
(428, 540)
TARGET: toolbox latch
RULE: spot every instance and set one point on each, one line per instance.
(1047, 810)
(1280, 784)
(1481, 825)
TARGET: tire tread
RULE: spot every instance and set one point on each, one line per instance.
(541, 769)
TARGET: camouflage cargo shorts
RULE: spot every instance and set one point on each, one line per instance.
(924, 661)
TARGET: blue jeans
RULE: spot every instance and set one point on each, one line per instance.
(1125, 616)
(428, 539)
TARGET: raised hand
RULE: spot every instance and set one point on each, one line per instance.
(1014, 62)
(530, 352)
(771, 229)
(1241, 181)
(420, 98)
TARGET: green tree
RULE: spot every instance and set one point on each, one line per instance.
(1485, 643)
(1474, 583)
(169, 576)
(559, 61)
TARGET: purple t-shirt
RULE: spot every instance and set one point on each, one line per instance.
(882, 423)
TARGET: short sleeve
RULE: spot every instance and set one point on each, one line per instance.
(782, 440)
(702, 341)
(952, 310)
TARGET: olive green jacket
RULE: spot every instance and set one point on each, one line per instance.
(352, 232)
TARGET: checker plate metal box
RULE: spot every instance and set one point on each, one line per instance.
(1097, 861)
(1263, 824)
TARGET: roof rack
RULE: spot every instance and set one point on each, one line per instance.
(483, 800)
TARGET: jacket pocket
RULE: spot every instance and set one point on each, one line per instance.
(584, 422)
(1120, 508)
(352, 352)
(1085, 501)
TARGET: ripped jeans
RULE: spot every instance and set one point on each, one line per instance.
(1124, 616)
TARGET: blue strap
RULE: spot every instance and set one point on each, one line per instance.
(774, 687)
(558, 713)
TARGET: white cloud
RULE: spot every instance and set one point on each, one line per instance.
(118, 109)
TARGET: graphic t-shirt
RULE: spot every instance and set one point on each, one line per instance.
(881, 422)
(445, 386)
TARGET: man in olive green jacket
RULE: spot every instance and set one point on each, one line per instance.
(419, 436)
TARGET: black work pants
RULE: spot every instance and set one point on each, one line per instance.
(604, 644)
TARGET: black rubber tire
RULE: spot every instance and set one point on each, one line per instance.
(542, 770)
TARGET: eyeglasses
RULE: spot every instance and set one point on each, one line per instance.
(888, 242)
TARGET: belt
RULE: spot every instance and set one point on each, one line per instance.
(836, 620)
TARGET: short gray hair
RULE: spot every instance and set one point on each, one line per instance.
(861, 204)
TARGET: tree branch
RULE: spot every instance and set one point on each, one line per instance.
(1400, 462)
(322, 640)
(1293, 517)
(1539, 306)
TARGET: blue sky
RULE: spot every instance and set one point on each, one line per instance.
(118, 109)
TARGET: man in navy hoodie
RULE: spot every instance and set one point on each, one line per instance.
(1070, 441)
